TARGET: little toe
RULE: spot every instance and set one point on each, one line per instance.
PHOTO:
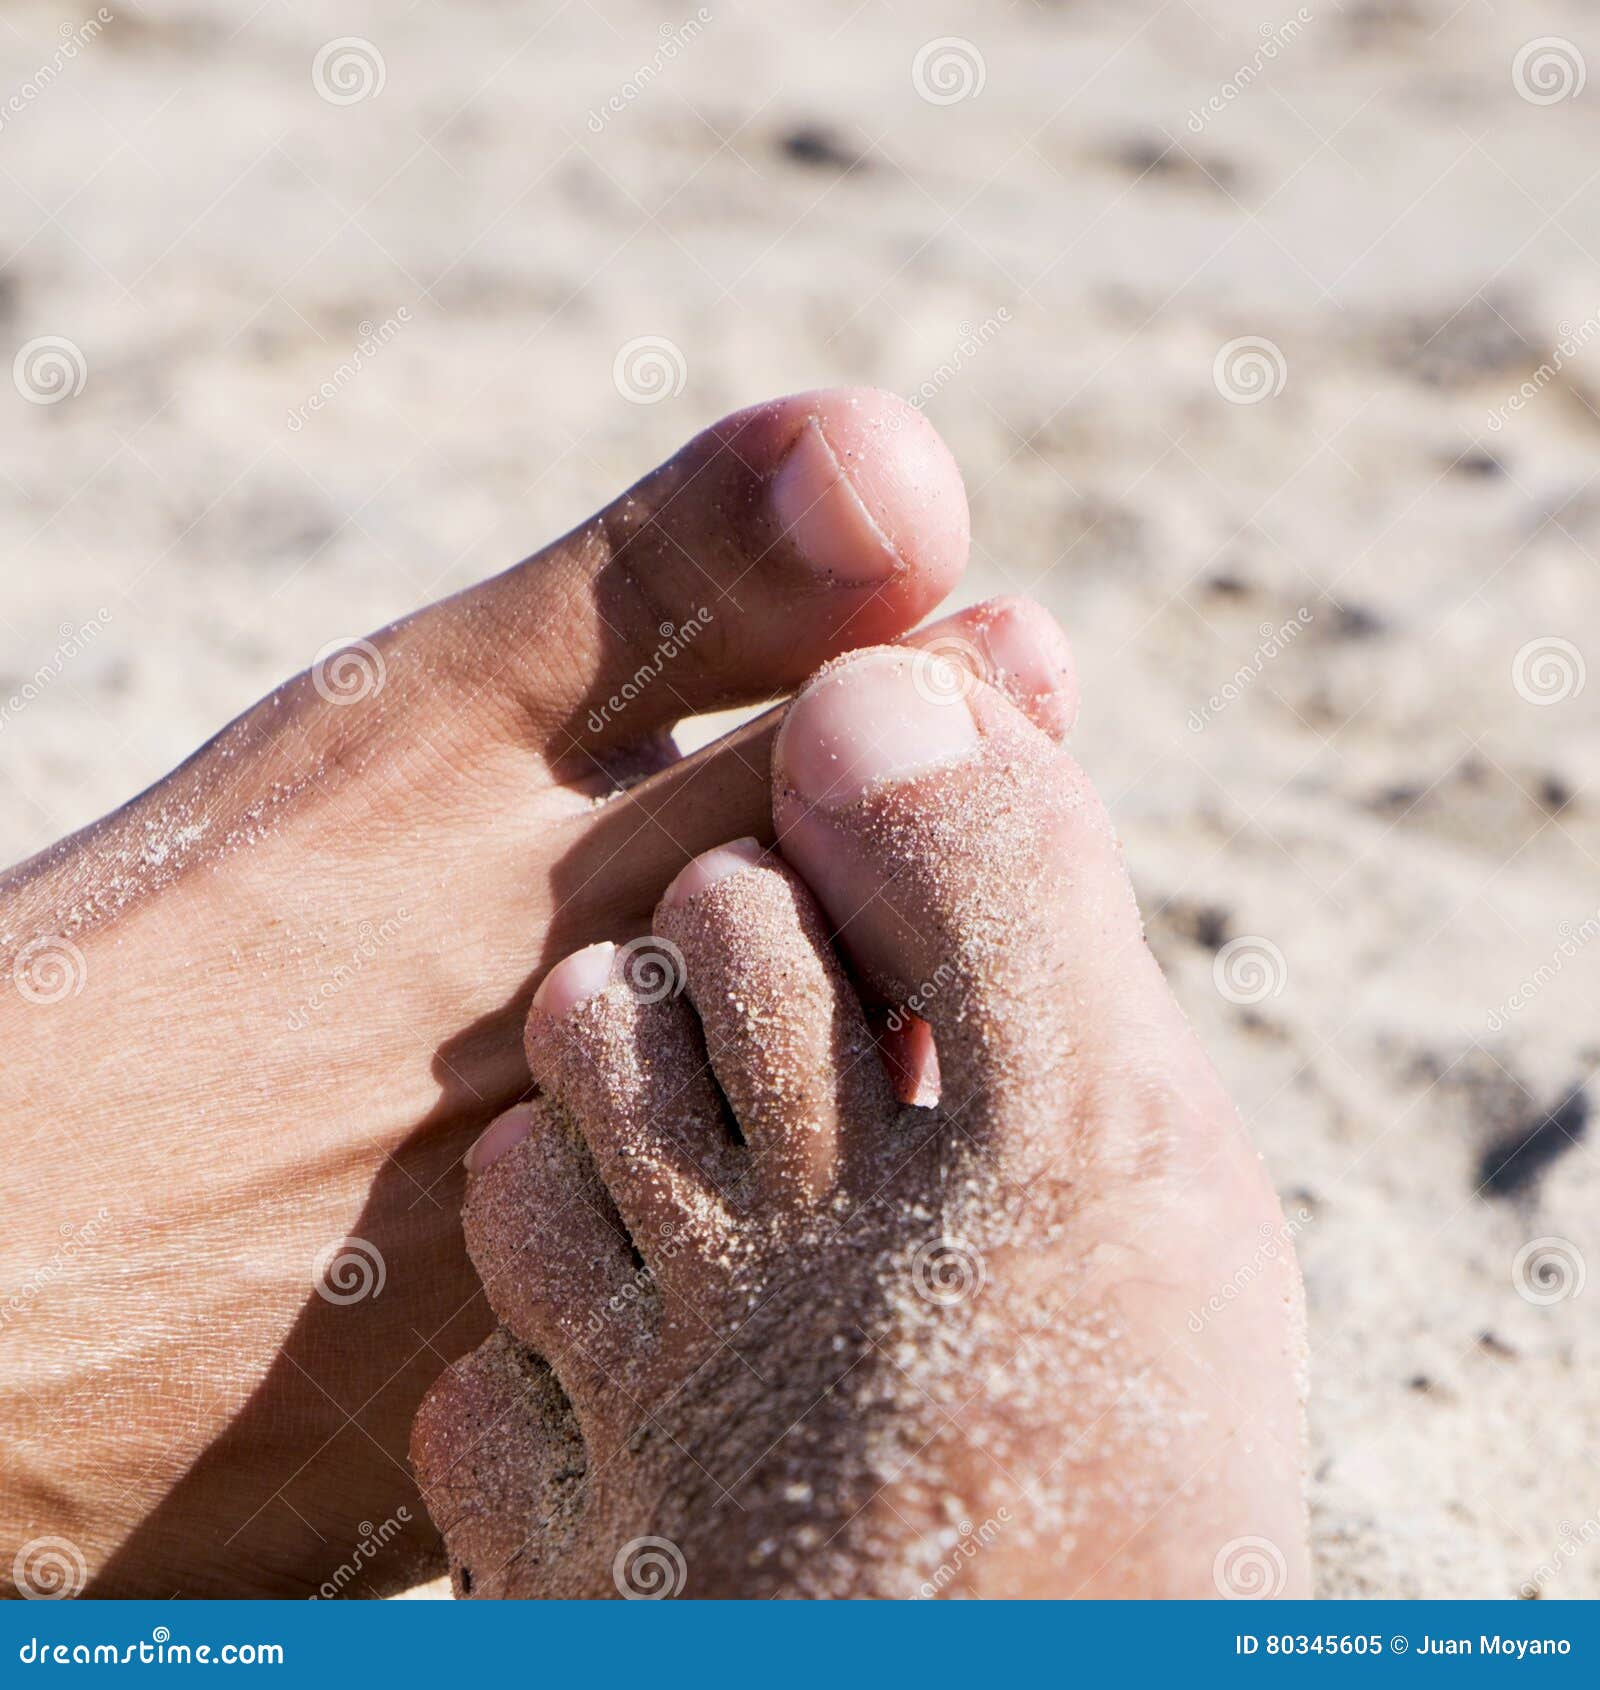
(784, 1029)
(500, 1463)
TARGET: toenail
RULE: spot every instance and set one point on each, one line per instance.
(498, 1137)
(575, 979)
(1028, 651)
(710, 867)
(824, 515)
(883, 717)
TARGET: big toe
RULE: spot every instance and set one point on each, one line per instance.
(976, 881)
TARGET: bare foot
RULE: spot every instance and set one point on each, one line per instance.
(261, 1011)
(767, 1331)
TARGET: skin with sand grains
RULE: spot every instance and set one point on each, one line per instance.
(857, 1326)
(234, 937)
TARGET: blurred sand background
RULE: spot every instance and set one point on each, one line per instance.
(1395, 812)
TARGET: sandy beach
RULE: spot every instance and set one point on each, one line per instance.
(1265, 340)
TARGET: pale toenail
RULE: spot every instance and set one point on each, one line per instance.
(822, 512)
(575, 979)
(710, 867)
(883, 717)
(498, 1137)
(1028, 650)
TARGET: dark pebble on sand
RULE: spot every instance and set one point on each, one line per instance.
(1516, 1161)
(821, 148)
(1458, 346)
(1154, 155)
(1147, 156)
(1205, 925)
(1211, 927)
(1356, 622)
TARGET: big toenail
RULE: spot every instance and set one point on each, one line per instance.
(710, 867)
(824, 516)
(883, 717)
(575, 979)
(498, 1137)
